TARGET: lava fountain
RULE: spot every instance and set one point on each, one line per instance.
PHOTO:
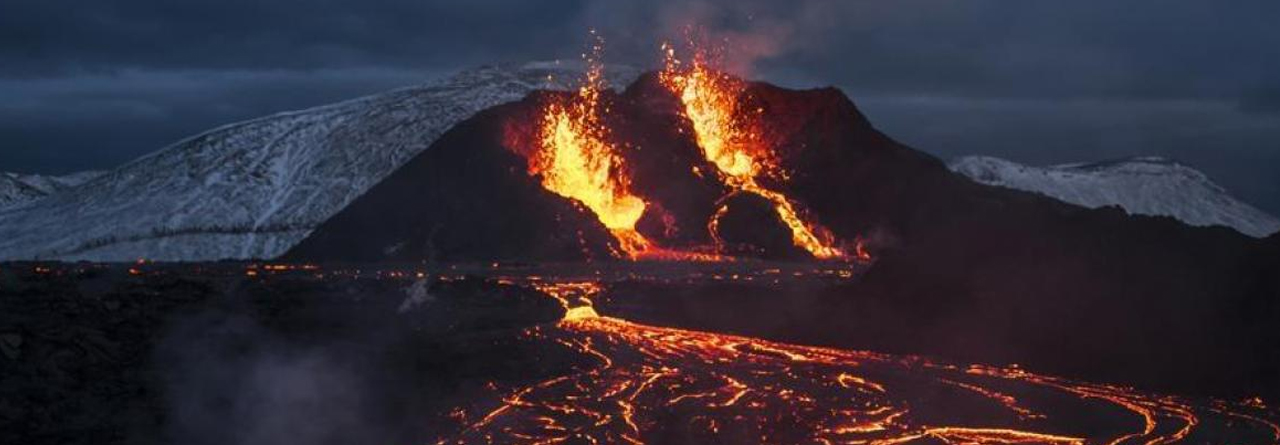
(730, 137)
(576, 160)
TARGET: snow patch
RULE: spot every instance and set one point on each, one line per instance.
(1143, 186)
(253, 189)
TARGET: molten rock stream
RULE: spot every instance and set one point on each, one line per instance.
(649, 384)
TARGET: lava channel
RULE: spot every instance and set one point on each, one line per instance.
(576, 160)
(648, 384)
(730, 138)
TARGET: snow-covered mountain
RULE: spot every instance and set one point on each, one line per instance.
(253, 189)
(1144, 185)
(17, 188)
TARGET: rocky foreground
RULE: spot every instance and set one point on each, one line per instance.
(100, 355)
(241, 353)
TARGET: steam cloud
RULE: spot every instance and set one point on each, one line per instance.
(230, 381)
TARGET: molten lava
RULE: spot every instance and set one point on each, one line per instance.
(650, 384)
(577, 161)
(730, 138)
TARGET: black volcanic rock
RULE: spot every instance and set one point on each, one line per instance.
(661, 155)
(743, 235)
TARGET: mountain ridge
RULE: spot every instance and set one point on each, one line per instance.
(1144, 185)
(251, 189)
(17, 189)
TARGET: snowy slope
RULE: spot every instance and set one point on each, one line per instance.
(17, 188)
(253, 189)
(1145, 185)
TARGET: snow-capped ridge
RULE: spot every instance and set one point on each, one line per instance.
(252, 189)
(1147, 185)
(18, 189)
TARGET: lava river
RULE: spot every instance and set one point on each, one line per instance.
(649, 384)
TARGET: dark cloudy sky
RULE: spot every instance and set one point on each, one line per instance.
(92, 84)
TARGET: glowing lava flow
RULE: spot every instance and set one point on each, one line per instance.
(730, 140)
(577, 161)
(648, 384)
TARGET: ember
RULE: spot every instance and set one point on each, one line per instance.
(577, 161)
(648, 383)
(730, 138)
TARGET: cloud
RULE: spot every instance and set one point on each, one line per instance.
(981, 48)
(94, 121)
(229, 380)
(1261, 102)
(60, 37)
(94, 84)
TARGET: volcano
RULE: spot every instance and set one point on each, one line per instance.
(961, 268)
(470, 198)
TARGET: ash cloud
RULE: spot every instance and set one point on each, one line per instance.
(742, 32)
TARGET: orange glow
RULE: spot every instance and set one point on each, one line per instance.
(647, 382)
(731, 139)
(576, 161)
(574, 297)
